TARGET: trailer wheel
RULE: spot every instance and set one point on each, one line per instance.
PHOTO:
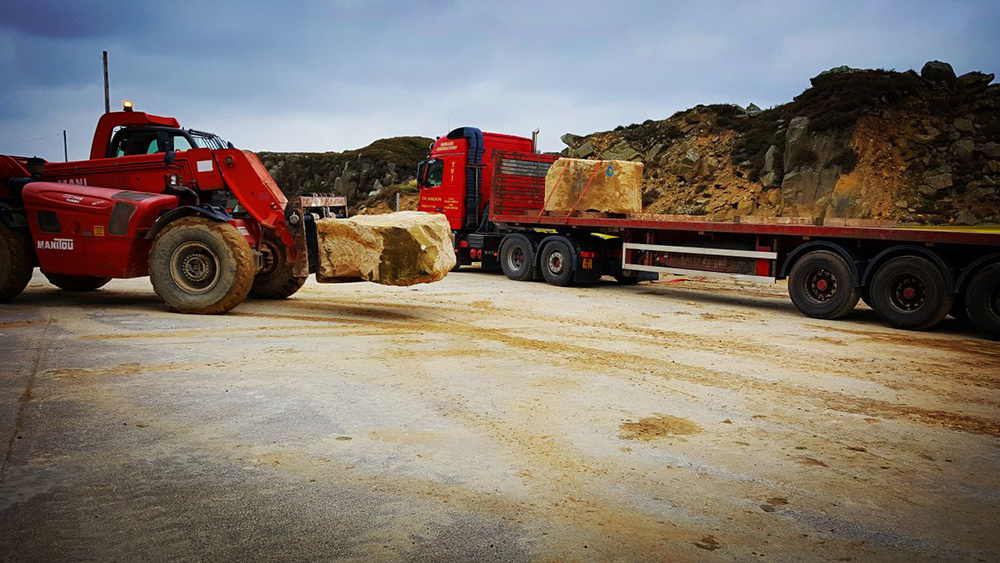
(16, 264)
(622, 279)
(517, 258)
(821, 286)
(982, 301)
(201, 266)
(276, 278)
(557, 263)
(76, 283)
(911, 293)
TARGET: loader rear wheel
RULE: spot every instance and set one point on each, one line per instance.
(821, 286)
(76, 283)
(16, 262)
(201, 266)
(276, 279)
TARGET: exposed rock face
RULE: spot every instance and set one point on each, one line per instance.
(402, 248)
(859, 144)
(594, 185)
(352, 174)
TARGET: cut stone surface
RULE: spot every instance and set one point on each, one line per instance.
(615, 186)
(402, 248)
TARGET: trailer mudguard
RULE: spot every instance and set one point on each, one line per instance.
(909, 249)
(844, 253)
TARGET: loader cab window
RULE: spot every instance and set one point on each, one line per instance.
(207, 140)
(137, 141)
(181, 143)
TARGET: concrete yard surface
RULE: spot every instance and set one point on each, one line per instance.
(481, 419)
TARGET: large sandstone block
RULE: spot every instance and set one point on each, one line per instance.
(615, 186)
(393, 249)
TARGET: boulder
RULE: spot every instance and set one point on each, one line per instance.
(594, 185)
(797, 142)
(769, 176)
(962, 149)
(991, 150)
(937, 71)
(973, 82)
(843, 69)
(402, 248)
(570, 139)
(583, 151)
(753, 110)
(621, 151)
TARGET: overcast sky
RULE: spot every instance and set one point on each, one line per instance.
(336, 75)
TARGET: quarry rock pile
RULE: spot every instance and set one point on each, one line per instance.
(914, 148)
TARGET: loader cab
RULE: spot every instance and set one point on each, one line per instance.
(128, 141)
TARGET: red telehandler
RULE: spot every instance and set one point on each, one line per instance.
(202, 219)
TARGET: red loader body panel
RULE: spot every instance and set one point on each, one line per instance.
(89, 231)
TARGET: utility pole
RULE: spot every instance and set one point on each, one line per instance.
(107, 97)
(65, 148)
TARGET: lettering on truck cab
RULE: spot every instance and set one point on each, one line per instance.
(56, 244)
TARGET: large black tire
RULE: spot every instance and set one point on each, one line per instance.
(201, 266)
(517, 258)
(557, 263)
(911, 293)
(16, 262)
(821, 286)
(982, 301)
(76, 283)
(276, 279)
(622, 279)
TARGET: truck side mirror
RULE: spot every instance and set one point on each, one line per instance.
(169, 157)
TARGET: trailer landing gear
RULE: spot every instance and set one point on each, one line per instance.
(201, 266)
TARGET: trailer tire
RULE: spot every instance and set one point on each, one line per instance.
(76, 283)
(982, 301)
(16, 262)
(622, 279)
(821, 286)
(911, 293)
(201, 266)
(517, 258)
(557, 263)
(276, 278)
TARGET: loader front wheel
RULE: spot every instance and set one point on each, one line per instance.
(76, 283)
(276, 279)
(201, 266)
(16, 262)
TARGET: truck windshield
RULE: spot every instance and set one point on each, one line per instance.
(435, 173)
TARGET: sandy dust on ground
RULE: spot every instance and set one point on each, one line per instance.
(481, 418)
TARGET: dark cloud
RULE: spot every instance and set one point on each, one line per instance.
(337, 74)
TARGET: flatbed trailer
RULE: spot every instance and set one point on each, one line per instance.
(911, 276)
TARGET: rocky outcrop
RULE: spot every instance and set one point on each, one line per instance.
(866, 144)
(590, 185)
(403, 248)
(356, 174)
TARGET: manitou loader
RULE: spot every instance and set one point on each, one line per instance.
(202, 219)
